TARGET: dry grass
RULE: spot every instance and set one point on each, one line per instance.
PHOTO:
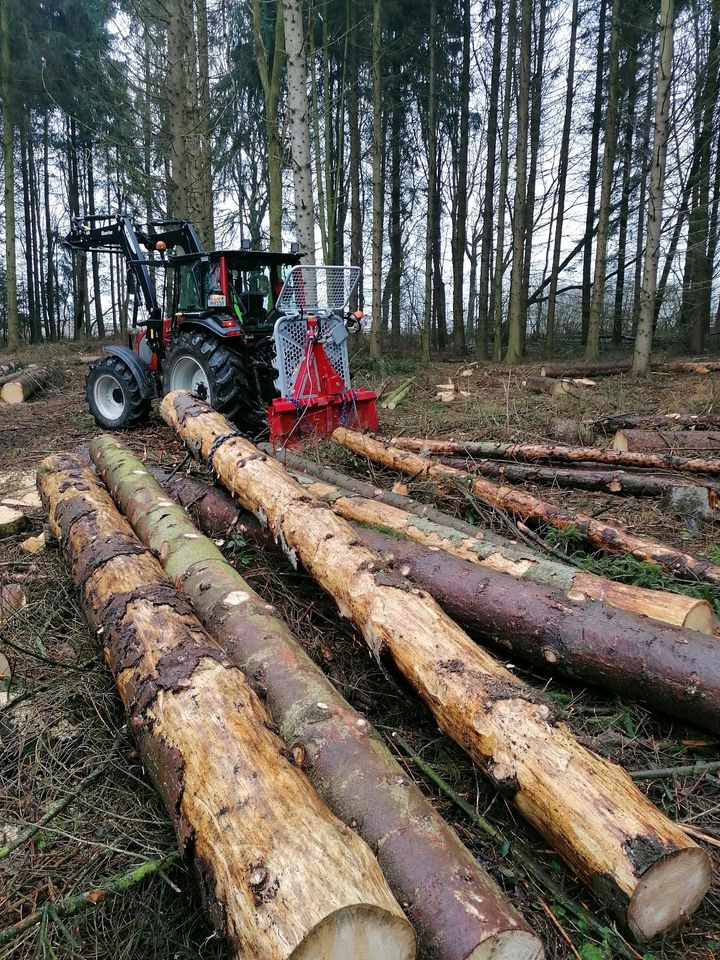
(61, 716)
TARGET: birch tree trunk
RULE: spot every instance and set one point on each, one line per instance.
(378, 150)
(643, 339)
(597, 301)
(299, 123)
(515, 309)
(628, 852)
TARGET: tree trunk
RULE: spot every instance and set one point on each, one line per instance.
(549, 346)
(99, 320)
(516, 317)
(629, 655)
(49, 281)
(29, 259)
(641, 441)
(643, 339)
(395, 205)
(597, 301)
(458, 259)
(588, 808)
(645, 161)
(624, 213)
(514, 501)
(378, 205)
(8, 368)
(557, 451)
(299, 124)
(356, 251)
(291, 880)
(592, 174)
(557, 388)
(505, 557)
(13, 327)
(178, 187)
(496, 296)
(481, 336)
(431, 181)
(664, 421)
(611, 367)
(271, 79)
(345, 759)
(25, 385)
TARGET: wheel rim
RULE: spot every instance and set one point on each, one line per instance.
(187, 374)
(109, 397)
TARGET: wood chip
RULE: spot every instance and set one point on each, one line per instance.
(11, 521)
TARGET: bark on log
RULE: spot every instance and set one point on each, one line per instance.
(607, 426)
(10, 367)
(25, 385)
(521, 561)
(557, 388)
(643, 441)
(427, 866)
(583, 478)
(610, 367)
(677, 674)
(674, 673)
(576, 585)
(515, 501)
(282, 876)
(589, 809)
(562, 453)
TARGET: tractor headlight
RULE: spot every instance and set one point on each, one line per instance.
(217, 300)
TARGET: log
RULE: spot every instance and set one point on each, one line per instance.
(518, 560)
(25, 385)
(283, 877)
(677, 674)
(556, 388)
(11, 521)
(10, 367)
(649, 872)
(427, 866)
(600, 368)
(620, 482)
(512, 500)
(529, 452)
(642, 441)
(607, 426)
(402, 389)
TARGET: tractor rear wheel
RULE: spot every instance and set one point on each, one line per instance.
(113, 395)
(202, 364)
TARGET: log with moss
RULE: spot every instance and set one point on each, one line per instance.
(626, 850)
(562, 453)
(428, 868)
(281, 875)
(513, 500)
(676, 674)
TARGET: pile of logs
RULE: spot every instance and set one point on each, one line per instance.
(307, 837)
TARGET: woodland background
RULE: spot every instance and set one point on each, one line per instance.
(513, 176)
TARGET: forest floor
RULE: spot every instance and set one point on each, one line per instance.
(60, 718)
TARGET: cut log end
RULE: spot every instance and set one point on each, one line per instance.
(669, 892)
(620, 442)
(509, 945)
(359, 932)
(701, 617)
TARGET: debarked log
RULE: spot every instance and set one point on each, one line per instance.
(515, 501)
(281, 876)
(457, 909)
(637, 860)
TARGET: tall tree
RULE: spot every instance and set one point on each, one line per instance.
(378, 206)
(13, 329)
(432, 178)
(460, 225)
(643, 339)
(515, 309)
(631, 66)
(270, 70)
(597, 302)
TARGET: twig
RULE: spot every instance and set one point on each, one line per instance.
(521, 855)
(70, 906)
(29, 832)
(559, 927)
(662, 773)
(699, 835)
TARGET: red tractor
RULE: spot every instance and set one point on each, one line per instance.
(257, 335)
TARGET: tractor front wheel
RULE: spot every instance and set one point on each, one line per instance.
(113, 395)
(202, 364)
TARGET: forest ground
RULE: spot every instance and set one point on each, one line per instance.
(64, 719)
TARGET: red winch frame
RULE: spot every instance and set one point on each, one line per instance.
(320, 402)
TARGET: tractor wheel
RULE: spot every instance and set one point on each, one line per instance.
(201, 363)
(113, 395)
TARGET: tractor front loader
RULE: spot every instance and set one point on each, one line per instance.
(256, 335)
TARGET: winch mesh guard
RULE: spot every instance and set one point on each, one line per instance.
(317, 289)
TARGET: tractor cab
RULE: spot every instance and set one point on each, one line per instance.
(236, 290)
